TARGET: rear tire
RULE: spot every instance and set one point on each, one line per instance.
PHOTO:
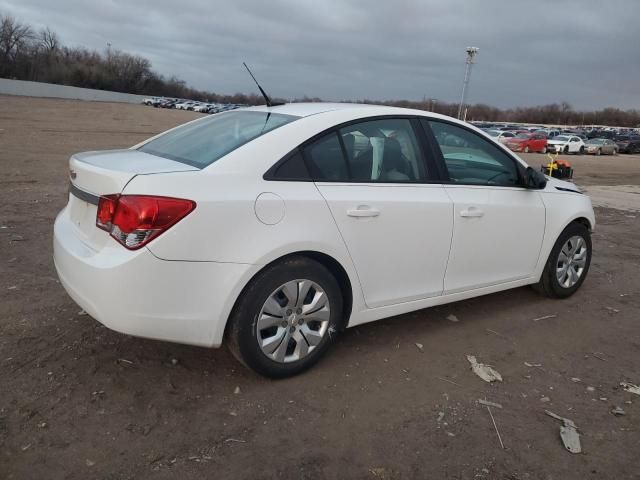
(581, 150)
(558, 278)
(307, 331)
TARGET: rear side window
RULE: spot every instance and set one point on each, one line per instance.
(201, 143)
(471, 159)
(290, 168)
(326, 160)
(374, 151)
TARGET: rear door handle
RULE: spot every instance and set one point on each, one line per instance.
(472, 212)
(363, 211)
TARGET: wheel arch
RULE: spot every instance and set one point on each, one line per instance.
(583, 220)
(330, 263)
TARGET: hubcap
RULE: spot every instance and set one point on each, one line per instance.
(293, 321)
(571, 261)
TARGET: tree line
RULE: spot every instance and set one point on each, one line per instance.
(40, 56)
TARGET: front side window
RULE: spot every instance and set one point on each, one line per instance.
(473, 160)
(375, 151)
(203, 142)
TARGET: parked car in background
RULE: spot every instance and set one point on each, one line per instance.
(185, 105)
(528, 142)
(601, 146)
(152, 100)
(601, 133)
(202, 107)
(160, 240)
(549, 133)
(566, 144)
(628, 143)
(166, 103)
(502, 136)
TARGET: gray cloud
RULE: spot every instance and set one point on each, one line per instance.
(580, 51)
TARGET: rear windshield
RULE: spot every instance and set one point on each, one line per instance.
(201, 143)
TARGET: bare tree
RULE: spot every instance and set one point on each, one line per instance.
(49, 41)
(14, 36)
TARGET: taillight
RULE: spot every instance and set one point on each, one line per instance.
(134, 220)
(106, 209)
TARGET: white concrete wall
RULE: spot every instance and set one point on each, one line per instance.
(38, 89)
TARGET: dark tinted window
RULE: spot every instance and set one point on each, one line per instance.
(471, 159)
(377, 151)
(384, 150)
(326, 160)
(291, 168)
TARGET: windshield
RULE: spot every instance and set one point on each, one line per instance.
(493, 133)
(523, 135)
(561, 138)
(201, 143)
(596, 140)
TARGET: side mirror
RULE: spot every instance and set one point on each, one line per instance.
(534, 179)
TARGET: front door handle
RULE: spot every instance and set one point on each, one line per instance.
(472, 212)
(363, 211)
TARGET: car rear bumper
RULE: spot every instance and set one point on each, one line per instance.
(136, 293)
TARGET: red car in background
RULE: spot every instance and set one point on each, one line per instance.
(528, 142)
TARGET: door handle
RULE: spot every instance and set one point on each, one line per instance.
(472, 212)
(363, 211)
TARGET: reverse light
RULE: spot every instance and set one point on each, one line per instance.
(135, 220)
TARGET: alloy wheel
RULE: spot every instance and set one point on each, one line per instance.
(571, 262)
(293, 321)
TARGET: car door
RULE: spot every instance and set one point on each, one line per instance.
(498, 225)
(540, 142)
(506, 136)
(574, 144)
(396, 225)
(608, 147)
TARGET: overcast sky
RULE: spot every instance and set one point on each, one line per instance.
(531, 52)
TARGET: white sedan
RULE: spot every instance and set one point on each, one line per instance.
(566, 144)
(272, 229)
(503, 136)
(185, 105)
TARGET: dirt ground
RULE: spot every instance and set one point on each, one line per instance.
(78, 401)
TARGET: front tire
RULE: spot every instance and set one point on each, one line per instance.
(526, 149)
(286, 318)
(568, 263)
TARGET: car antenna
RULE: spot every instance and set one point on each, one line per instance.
(268, 100)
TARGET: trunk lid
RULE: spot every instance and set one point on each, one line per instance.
(93, 174)
(105, 172)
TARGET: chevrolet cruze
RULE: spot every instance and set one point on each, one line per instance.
(270, 229)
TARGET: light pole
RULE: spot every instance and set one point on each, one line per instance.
(471, 53)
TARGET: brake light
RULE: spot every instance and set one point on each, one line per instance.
(106, 209)
(135, 220)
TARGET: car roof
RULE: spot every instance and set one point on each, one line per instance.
(314, 108)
